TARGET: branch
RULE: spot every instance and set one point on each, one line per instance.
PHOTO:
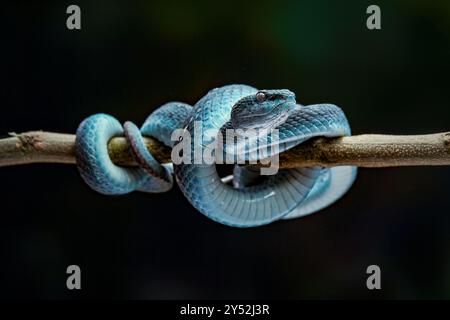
(368, 150)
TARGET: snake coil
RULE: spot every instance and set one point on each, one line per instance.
(252, 200)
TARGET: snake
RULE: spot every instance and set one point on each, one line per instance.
(251, 199)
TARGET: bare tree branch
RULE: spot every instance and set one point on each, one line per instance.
(368, 150)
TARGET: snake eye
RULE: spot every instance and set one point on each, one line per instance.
(261, 97)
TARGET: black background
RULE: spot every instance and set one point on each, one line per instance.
(131, 57)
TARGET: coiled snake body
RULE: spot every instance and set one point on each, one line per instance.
(290, 193)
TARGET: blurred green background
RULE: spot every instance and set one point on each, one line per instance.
(131, 57)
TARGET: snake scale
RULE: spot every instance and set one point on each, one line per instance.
(252, 199)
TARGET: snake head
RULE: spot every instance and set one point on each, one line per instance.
(266, 109)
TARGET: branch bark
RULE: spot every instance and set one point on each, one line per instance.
(368, 150)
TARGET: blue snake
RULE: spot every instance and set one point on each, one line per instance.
(252, 199)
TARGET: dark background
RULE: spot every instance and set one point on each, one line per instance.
(131, 57)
